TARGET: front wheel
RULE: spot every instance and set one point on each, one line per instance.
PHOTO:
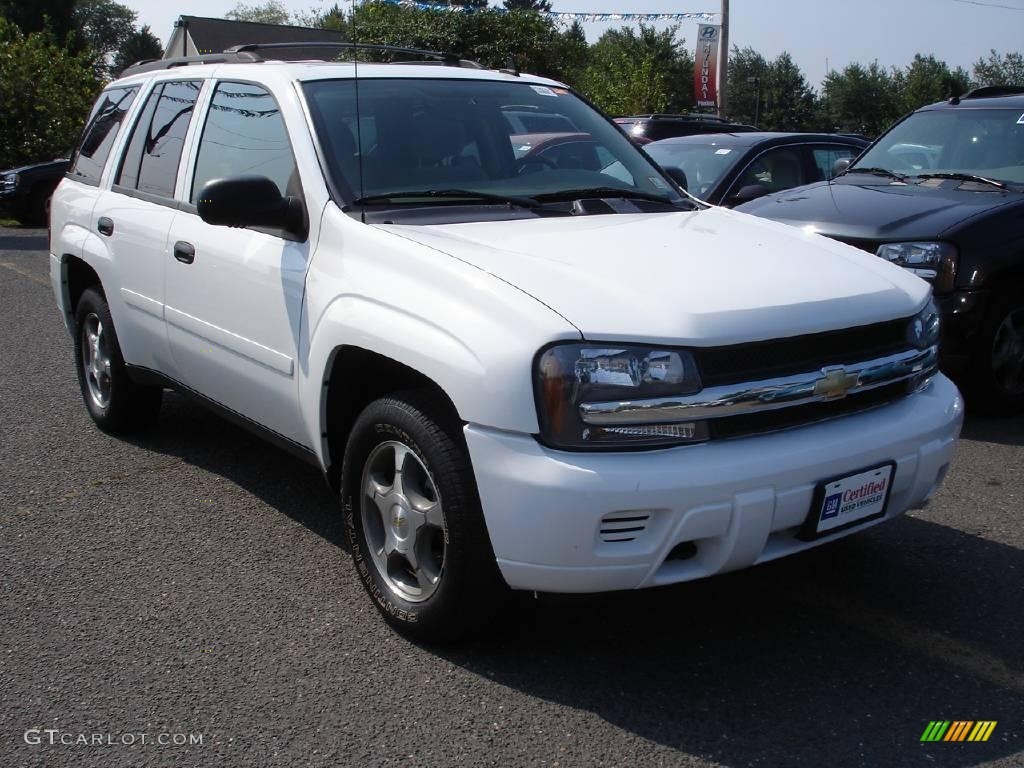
(998, 381)
(414, 521)
(116, 403)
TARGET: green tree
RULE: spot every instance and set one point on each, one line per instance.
(30, 16)
(927, 80)
(528, 5)
(489, 36)
(104, 26)
(860, 99)
(140, 45)
(1005, 69)
(748, 79)
(269, 12)
(45, 95)
(638, 72)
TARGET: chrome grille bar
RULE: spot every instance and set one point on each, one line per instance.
(830, 383)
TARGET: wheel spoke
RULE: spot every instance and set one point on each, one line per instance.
(432, 514)
(401, 455)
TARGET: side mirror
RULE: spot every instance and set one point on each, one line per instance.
(748, 193)
(841, 165)
(250, 201)
(678, 176)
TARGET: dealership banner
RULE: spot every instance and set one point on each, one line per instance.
(705, 70)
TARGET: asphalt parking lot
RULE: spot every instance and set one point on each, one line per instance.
(195, 581)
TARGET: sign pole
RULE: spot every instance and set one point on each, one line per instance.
(723, 63)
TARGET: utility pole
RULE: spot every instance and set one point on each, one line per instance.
(723, 63)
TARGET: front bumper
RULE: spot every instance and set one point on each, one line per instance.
(553, 516)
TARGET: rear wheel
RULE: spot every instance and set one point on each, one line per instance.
(998, 379)
(414, 521)
(116, 403)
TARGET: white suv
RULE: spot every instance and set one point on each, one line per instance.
(546, 371)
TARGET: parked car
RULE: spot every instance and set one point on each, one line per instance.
(515, 375)
(25, 192)
(942, 194)
(643, 129)
(733, 168)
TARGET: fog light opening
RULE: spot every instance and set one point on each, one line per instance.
(683, 551)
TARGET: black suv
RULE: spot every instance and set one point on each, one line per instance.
(643, 129)
(25, 192)
(941, 193)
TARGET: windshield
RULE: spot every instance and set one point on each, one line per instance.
(517, 140)
(703, 164)
(976, 142)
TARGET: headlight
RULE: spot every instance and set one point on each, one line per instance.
(935, 262)
(8, 181)
(569, 375)
(925, 327)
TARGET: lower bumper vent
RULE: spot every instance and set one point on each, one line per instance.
(623, 526)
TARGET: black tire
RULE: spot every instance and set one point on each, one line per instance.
(127, 407)
(997, 386)
(469, 590)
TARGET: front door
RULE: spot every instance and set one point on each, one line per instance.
(234, 296)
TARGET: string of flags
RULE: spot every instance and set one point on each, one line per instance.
(586, 16)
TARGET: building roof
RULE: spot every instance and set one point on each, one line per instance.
(217, 35)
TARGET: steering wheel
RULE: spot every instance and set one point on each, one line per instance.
(522, 162)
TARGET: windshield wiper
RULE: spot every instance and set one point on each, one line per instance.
(963, 177)
(602, 192)
(876, 172)
(467, 194)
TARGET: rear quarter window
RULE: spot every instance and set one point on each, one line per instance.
(100, 133)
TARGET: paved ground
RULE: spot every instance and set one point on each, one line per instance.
(195, 581)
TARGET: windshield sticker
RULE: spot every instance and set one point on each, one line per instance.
(1021, 121)
(561, 91)
(722, 151)
(658, 182)
(543, 90)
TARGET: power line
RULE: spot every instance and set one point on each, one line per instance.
(990, 5)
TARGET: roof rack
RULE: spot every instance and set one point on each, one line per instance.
(450, 59)
(152, 65)
(250, 54)
(992, 91)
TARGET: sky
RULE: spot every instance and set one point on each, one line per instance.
(813, 31)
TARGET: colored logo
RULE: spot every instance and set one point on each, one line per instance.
(835, 383)
(831, 506)
(958, 730)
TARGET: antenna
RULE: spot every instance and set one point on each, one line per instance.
(359, 119)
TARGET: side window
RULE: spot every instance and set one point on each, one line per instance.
(776, 169)
(151, 162)
(245, 135)
(100, 133)
(825, 158)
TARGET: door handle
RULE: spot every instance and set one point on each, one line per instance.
(184, 252)
(105, 226)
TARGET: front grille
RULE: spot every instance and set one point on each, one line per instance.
(871, 246)
(783, 357)
(784, 418)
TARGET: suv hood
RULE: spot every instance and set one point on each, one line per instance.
(878, 210)
(703, 278)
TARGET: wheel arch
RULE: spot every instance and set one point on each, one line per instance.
(353, 378)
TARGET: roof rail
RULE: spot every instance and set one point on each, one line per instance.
(992, 91)
(449, 59)
(153, 65)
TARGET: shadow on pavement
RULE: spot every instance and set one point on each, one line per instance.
(23, 239)
(836, 657)
(1004, 430)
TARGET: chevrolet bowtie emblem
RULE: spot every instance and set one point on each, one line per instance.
(835, 383)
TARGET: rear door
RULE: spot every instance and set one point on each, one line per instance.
(135, 216)
(234, 296)
(74, 206)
